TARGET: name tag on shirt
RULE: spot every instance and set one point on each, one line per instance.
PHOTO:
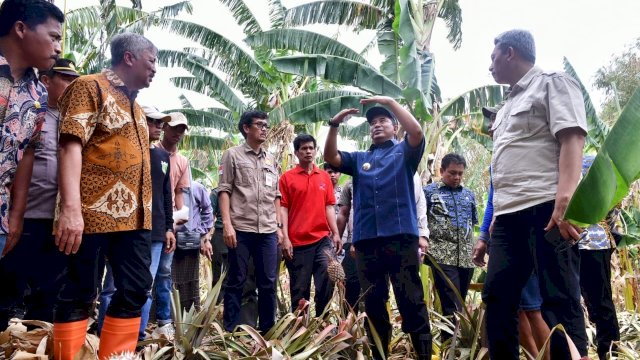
(269, 180)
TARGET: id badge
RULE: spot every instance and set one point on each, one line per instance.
(269, 180)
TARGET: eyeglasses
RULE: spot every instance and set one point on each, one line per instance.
(155, 122)
(262, 126)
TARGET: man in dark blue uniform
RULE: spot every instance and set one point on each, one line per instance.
(385, 230)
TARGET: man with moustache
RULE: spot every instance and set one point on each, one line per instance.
(37, 242)
(105, 198)
(385, 230)
(538, 138)
(309, 226)
(249, 201)
(30, 34)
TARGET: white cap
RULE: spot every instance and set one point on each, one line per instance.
(153, 113)
(178, 118)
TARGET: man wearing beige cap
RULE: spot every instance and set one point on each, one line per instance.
(185, 262)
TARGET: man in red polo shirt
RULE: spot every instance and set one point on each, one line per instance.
(309, 222)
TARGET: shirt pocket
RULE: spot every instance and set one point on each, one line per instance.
(44, 140)
(244, 173)
(270, 181)
(519, 119)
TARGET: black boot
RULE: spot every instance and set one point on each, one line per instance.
(422, 345)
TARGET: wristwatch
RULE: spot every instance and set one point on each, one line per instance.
(279, 225)
(170, 230)
(332, 124)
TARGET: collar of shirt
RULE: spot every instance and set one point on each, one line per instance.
(524, 82)
(159, 145)
(386, 144)
(441, 185)
(315, 169)
(248, 148)
(115, 80)
(5, 71)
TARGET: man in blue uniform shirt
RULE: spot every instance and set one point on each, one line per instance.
(385, 230)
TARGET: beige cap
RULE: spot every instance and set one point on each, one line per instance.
(153, 113)
(178, 118)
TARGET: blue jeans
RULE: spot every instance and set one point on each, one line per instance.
(263, 248)
(161, 273)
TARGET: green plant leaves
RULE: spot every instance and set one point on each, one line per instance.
(615, 167)
(339, 70)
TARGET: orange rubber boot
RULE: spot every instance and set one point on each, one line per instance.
(118, 336)
(68, 339)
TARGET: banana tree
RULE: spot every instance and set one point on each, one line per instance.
(613, 170)
(404, 30)
(88, 30)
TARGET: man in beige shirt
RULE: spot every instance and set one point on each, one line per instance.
(538, 137)
(249, 202)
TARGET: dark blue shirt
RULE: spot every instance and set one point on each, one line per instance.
(383, 196)
(162, 203)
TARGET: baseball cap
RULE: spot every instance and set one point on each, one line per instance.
(487, 111)
(153, 113)
(178, 118)
(379, 110)
(63, 66)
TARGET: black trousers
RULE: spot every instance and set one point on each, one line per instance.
(460, 277)
(352, 283)
(310, 261)
(595, 284)
(30, 274)
(129, 253)
(517, 247)
(393, 258)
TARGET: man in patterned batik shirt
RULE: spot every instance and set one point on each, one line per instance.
(451, 211)
(595, 277)
(30, 33)
(105, 198)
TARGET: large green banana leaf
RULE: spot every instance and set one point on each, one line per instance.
(615, 167)
(339, 70)
(325, 110)
(304, 41)
(307, 100)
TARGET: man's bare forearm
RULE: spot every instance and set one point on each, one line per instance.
(331, 154)
(342, 218)
(70, 165)
(223, 202)
(20, 186)
(331, 219)
(570, 165)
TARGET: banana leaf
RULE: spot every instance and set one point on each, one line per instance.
(615, 167)
(339, 70)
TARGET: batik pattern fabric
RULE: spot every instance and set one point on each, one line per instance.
(596, 237)
(451, 215)
(115, 182)
(23, 104)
